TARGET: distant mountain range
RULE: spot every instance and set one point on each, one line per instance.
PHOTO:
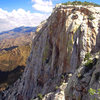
(15, 40)
(16, 37)
(15, 46)
(16, 32)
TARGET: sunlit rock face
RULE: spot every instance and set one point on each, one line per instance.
(58, 49)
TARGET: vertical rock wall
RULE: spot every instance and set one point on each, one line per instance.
(59, 48)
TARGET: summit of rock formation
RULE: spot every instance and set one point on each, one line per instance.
(57, 57)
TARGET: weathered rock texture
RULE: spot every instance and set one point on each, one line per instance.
(59, 48)
(84, 79)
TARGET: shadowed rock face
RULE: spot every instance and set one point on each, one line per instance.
(59, 47)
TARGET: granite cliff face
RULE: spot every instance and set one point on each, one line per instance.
(58, 50)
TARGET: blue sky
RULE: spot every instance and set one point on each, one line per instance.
(9, 5)
(15, 13)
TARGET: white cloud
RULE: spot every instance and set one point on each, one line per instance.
(20, 17)
(43, 5)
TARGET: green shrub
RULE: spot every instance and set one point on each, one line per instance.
(88, 63)
(56, 88)
(87, 56)
(98, 91)
(79, 75)
(88, 66)
(62, 76)
(81, 3)
(61, 83)
(40, 96)
(90, 17)
(92, 91)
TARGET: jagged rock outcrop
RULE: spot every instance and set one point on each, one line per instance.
(58, 50)
(84, 78)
